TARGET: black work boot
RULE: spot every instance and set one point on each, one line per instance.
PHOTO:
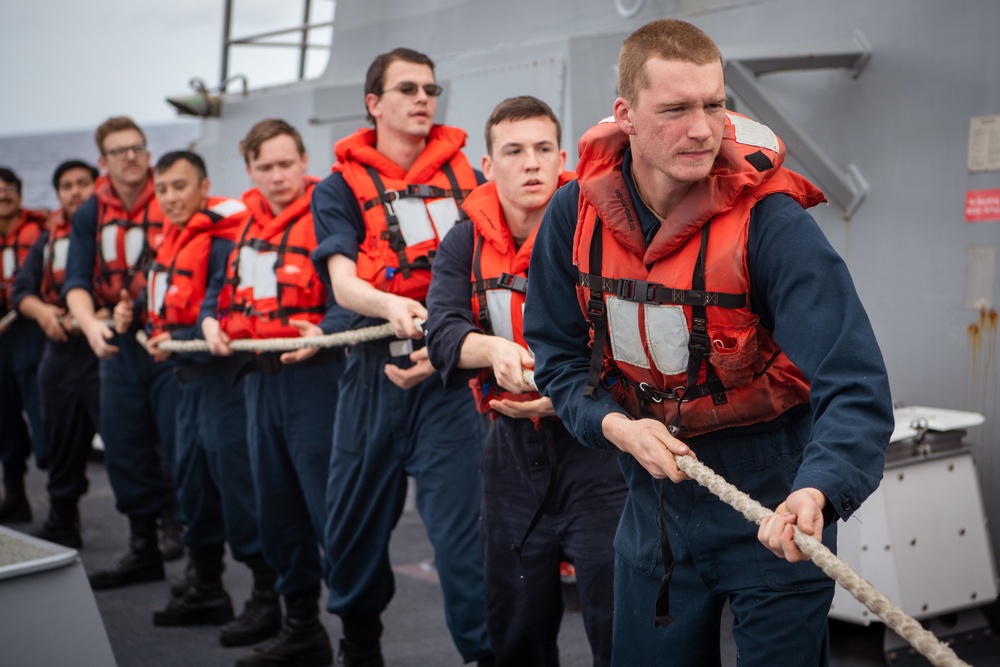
(302, 641)
(360, 646)
(15, 507)
(63, 524)
(261, 617)
(170, 543)
(142, 561)
(179, 586)
(205, 602)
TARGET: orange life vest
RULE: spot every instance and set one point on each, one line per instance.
(179, 274)
(499, 284)
(14, 247)
(54, 259)
(126, 241)
(406, 212)
(270, 278)
(682, 344)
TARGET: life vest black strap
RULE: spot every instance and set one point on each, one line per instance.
(414, 192)
(661, 608)
(699, 346)
(456, 190)
(234, 268)
(479, 287)
(393, 234)
(507, 281)
(641, 291)
(260, 245)
(597, 315)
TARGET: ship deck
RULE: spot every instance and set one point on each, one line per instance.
(415, 634)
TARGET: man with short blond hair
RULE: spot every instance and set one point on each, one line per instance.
(692, 307)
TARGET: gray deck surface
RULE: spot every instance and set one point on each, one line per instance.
(415, 634)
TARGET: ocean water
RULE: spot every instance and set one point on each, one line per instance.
(35, 156)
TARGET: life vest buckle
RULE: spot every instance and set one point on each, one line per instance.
(595, 309)
(422, 191)
(649, 393)
(636, 290)
(512, 282)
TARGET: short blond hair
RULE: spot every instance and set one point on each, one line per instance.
(669, 39)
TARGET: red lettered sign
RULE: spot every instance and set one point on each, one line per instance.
(982, 205)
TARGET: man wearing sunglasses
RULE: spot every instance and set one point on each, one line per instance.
(113, 237)
(394, 193)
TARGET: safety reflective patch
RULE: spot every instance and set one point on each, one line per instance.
(752, 133)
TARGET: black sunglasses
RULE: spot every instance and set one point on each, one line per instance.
(411, 88)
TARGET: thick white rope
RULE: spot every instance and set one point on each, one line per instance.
(340, 339)
(936, 651)
(905, 626)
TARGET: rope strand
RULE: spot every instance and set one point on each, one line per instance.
(932, 648)
(936, 651)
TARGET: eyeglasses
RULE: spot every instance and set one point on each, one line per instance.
(410, 88)
(138, 149)
(8, 190)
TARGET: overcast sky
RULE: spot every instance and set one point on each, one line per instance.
(68, 65)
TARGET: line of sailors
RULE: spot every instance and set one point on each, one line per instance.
(310, 490)
(683, 302)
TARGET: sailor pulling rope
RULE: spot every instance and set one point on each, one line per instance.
(907, 627)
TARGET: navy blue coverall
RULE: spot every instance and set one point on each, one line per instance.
(524, 604)
(289, 419)
(383, 434)
(802, 291)
(138, 395)
(68, 394)
(212, 465)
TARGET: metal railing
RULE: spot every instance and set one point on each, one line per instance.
(302, 43)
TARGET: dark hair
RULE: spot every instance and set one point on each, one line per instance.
(520, 108)
(115, 124)
(192, 158)
(266, 129)
(7, 175)
(375, 79)
(669, 39)
(69, 165)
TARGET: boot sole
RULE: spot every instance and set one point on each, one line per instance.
(214, 618)
(97, 584)
(307, 660)
(229, 640)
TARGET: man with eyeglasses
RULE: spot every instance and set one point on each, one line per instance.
(21, 345)
(67, 371)
(114, 235)
(394, 193)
